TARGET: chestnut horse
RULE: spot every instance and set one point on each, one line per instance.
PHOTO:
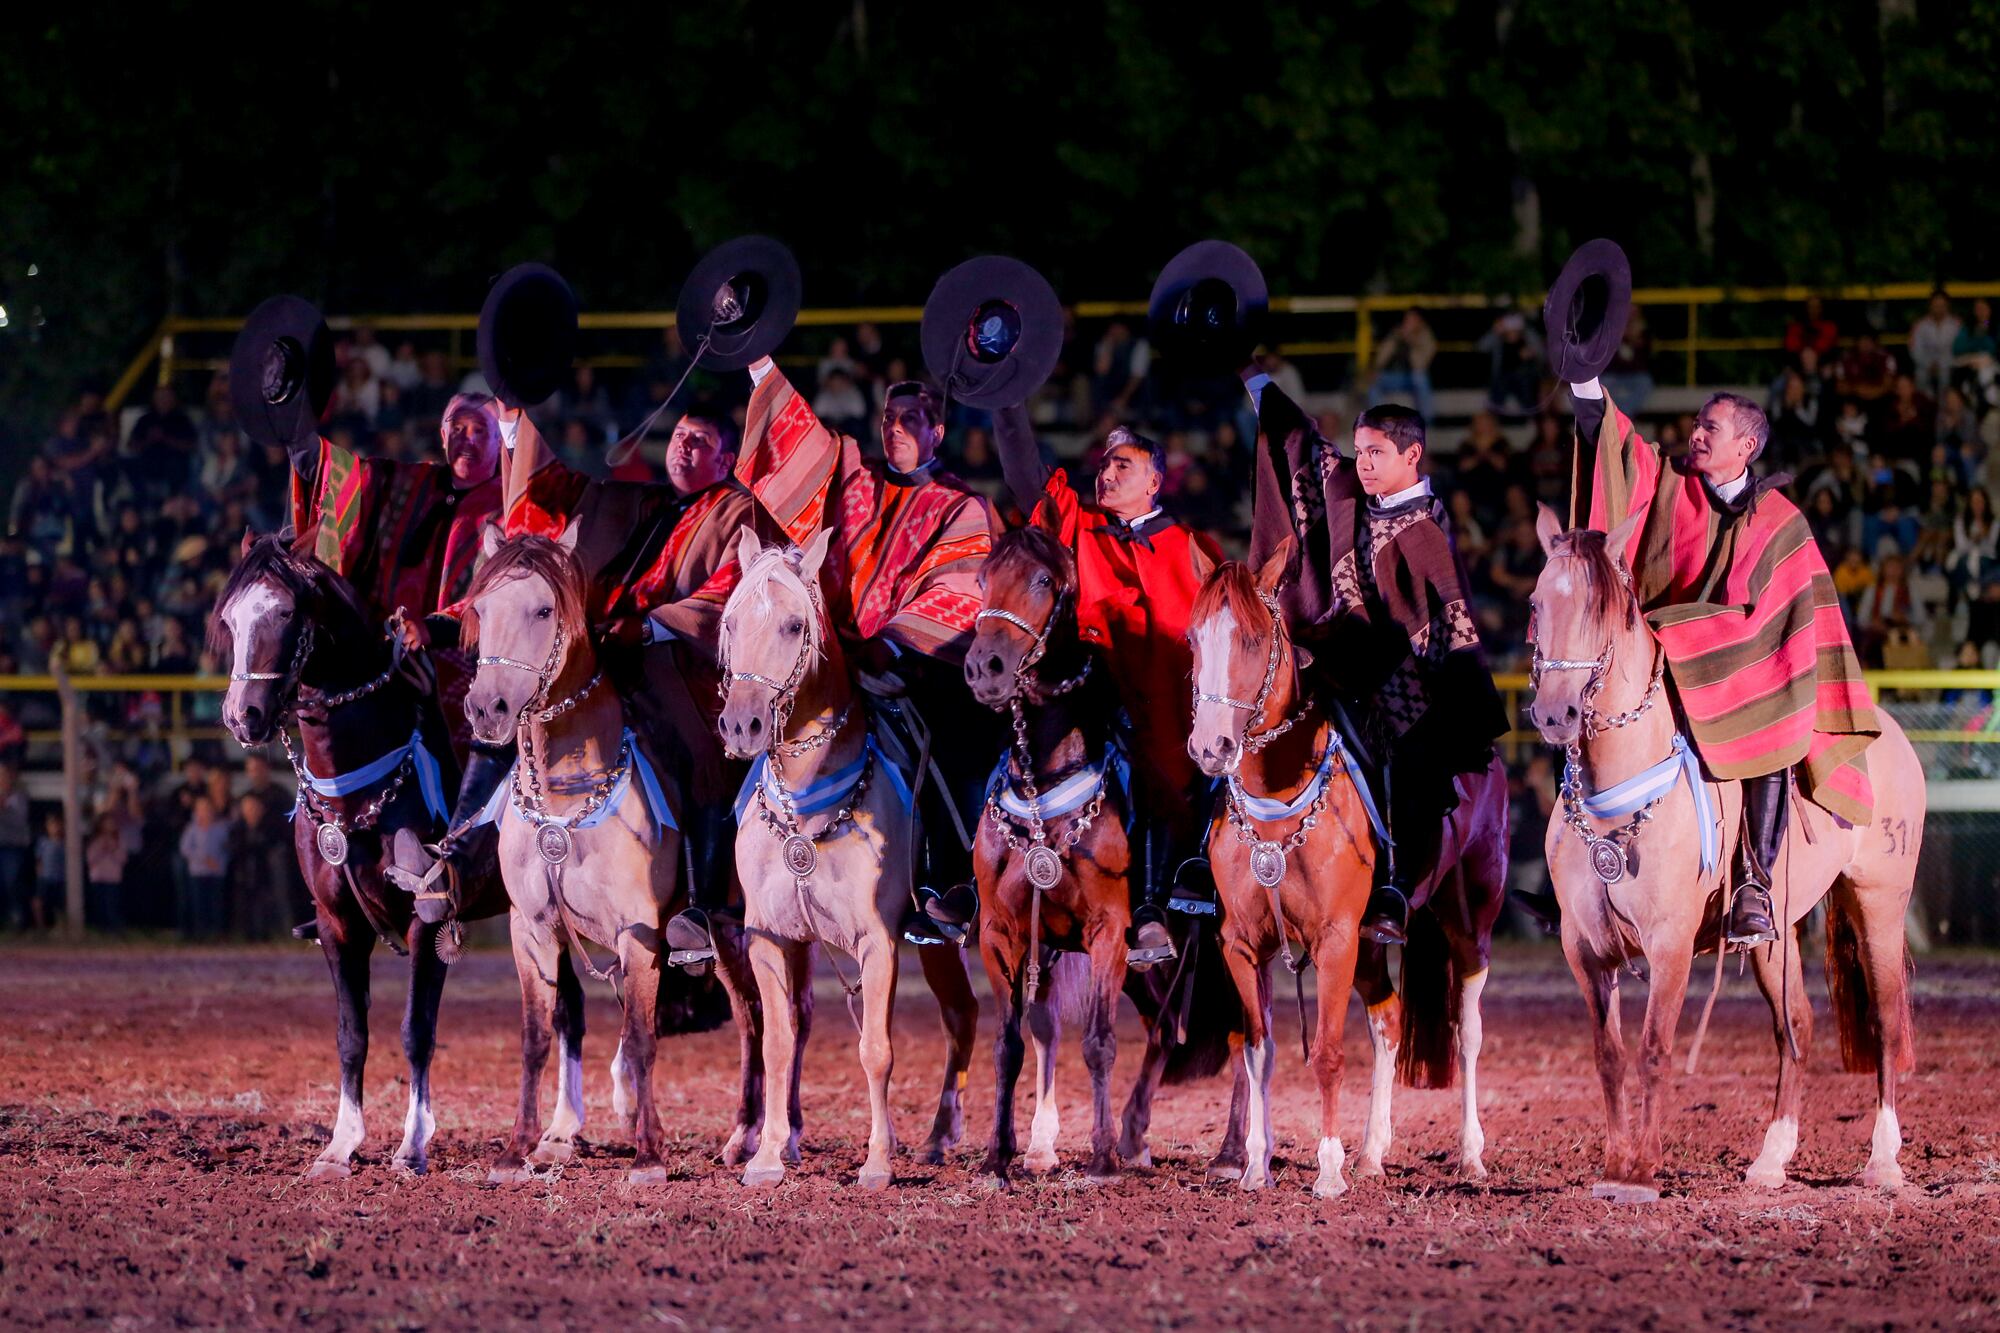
(1295, 851)
(1058, 808)
(374, 761)
(823, 848)
(1598, 692)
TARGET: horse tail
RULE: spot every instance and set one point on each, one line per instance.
(1213, 1011)
(1428, 1052)
(689, 1004)
(1856, 1007)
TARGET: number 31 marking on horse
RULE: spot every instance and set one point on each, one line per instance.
(1896, 836)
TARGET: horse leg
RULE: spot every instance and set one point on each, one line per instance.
(1100, 1046)
(878, 1001)
(732, 965)
(537, 962)
(1334, 954)
(774, 963)
(346, 949)
(1384, 1015)
(1004, 981)
(558, 1141)
(1045, 1031)
(958, 1008)
(1133, 1150)
(1230, 1157)
(1471, 1036)
(1599, 983)
(1483, 883)
(1667, 992)
(639, 960)
(1781, 976)
(802, 1019)
(1881, 911)
(1253, 987)
(427, 972)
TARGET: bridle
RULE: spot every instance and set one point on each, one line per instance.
(1253, 741)
(1025, 680)
(1599, 668)
(293, 674)
(545, 679)
(785, 693)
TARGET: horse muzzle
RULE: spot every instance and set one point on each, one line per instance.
(1560, 722)
(1215, 756)
(745, 732)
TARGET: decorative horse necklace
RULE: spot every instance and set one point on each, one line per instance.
(553, 833)
(1610, 853)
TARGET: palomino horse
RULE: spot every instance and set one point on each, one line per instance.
(1598, 688)
(1053, 860)
(1294, 851)
(374, 760)
(823, 848)
(588, 847)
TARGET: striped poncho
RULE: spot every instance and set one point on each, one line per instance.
(1745, 608)
(906, 551)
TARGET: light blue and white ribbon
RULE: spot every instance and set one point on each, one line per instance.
(1270, 809)
(829, 791)
(1066, 797)
(430, 779)
(649, 786)
(1642, 789)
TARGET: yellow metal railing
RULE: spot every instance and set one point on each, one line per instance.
(166, 357)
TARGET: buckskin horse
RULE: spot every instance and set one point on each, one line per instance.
(1052, 858)
(1599, 692)
(374, 761)
(589, 848)
(1292, 852)
(823, 847)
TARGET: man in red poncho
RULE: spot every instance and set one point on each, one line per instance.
(903, 578)
(1137, 575)
(1732, 582)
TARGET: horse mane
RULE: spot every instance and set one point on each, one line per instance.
(771, 565)
(315, 589)
(1602, 580)
(524, 557)
(1038, 546)
(1232, 588)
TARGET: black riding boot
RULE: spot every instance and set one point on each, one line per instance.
(436, 888)
(1156, 860)
(946, 896)
(711, 848)
(1386, 919)
(1764, 808)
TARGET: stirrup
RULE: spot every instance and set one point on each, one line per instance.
(1751, 937)
(1138, 959)
(1378, 926)
(696, 956)
(920, 927)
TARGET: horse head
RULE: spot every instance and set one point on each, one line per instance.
(775, 632)
(527, 624)
(1239, 649)
(1030, 586)
(1584, 612)
(276, 608)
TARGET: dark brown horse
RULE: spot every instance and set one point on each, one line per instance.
(1293, 854)
(301, 650)
(1053, 861)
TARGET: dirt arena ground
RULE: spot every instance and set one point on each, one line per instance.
(157, 1107)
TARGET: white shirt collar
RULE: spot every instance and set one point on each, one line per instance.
(1145, 518)
(1421, 489)
(1729, 490)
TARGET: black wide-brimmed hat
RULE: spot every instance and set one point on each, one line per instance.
(1586, 311)
(527, 334)
(743, 296)
(1208, 307)
(281, 372)
(992, 332)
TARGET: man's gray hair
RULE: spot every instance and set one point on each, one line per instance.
(1749, 418)
(1126, 437)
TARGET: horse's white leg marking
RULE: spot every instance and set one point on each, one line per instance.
(418, 1126)
(624, 1104)
(1381, 1081)
(1781, 1140)
(1332, 1156)
(1883, 1171)
(1471, 1035)
(1044, 1031)
(559, 1139)
(348, 1132)
(1257, 1062)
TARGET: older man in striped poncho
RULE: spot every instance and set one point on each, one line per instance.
(1740, 597)
(903, 570)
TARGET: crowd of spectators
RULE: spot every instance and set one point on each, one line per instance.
(121, 529)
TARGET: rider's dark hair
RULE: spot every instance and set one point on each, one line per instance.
(1404, 426)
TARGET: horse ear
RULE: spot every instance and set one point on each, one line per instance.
(490, 538)
(748, 547)
(1547, 527)
(1273, 572)
(567, 540)
(249, 540)
(1047, 519)
(1619, 540)
(815, 554)
(1201, 560)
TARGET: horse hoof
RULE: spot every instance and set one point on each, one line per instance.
(655, 1174)
(933, 1154)
(409, 1166)
(1223, 1173)
(1366, 1169)
(1766, 1177)
(1885, 1177)
(552, 1152)
(1254, 1180)
(1141, 1160)
(994, 1183)
(755, 1176)
(738, 1148)
(1472, 1169)
(1329, 1187)
(510, 1175)
(1039, 1162)
(323, 1171)
(873, 1178)
(1101, 1172)
(1624, 1191)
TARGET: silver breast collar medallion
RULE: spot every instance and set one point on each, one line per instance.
(1607, 858)
(801, 857)
(1267, 863)
(553, 842)
(332, 841)
(1044, 868)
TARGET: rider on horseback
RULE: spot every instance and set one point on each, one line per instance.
(1136, 580)
(1380, 600)
(908, 542)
